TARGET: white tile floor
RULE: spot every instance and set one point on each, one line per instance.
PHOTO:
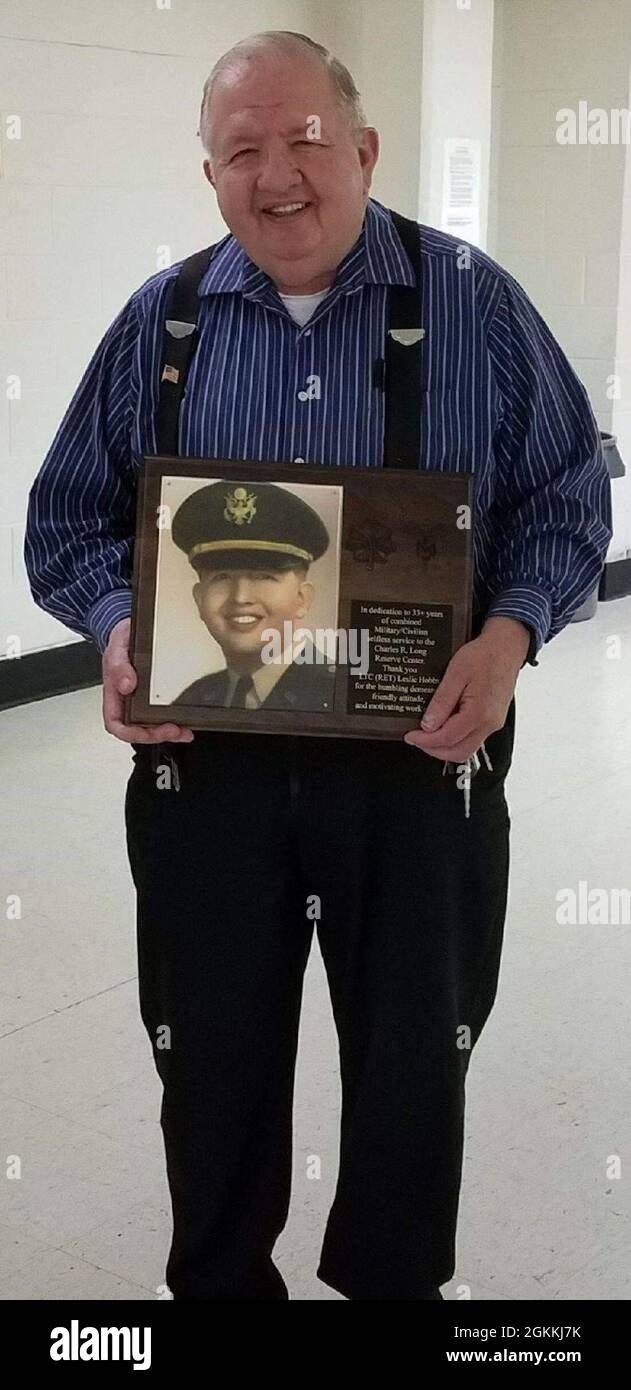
(549, 1082)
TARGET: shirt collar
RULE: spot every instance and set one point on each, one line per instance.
(377, 258)
(266, 677)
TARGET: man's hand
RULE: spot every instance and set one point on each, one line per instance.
(473, 697)
(119, 679)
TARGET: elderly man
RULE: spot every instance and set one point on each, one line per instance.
(411, 892)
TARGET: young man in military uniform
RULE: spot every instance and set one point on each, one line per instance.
(252, 545)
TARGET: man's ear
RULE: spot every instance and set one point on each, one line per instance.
(368, 151)
(306, 592)
(208, 171)
(197, 595)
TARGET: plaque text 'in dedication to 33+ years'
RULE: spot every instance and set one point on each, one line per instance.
(409, 648)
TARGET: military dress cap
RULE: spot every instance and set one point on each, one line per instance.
(248, 526)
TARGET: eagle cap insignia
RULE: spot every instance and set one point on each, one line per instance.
(240, 506)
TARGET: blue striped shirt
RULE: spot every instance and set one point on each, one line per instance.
(500, 400)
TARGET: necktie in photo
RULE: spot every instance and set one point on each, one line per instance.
(243, 687)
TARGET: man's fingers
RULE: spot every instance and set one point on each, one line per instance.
(121, 674)
(112, 704)
(456, 753)
(113, 710)
(446, 698)
(119, 679)
(456, 729)
(143, 733)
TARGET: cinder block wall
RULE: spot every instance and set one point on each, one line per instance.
(558, 216)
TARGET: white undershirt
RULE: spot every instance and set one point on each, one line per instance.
(302, 306)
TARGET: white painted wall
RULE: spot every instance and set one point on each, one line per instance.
(621, 415)
(382, 44)
(558, 221)
(457, 94)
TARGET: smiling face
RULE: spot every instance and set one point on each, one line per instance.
(295, 204)
(237, 606)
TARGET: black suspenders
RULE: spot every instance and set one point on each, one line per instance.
(404, 359)
(178, 345)
(400, 374)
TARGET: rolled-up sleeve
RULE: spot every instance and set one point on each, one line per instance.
(80, 523)
(552, 512)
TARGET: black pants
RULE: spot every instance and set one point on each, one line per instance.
(267, 836)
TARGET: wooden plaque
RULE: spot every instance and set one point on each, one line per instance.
(228, 602)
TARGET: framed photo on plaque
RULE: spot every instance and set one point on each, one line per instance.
(296, 598)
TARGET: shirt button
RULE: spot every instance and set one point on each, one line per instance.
(307, 332)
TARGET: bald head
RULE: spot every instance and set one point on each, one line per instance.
(286, 43)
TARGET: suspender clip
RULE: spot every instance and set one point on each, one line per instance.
(179, 329)
(407, 337)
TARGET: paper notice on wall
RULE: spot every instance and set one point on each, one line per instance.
(461, 189)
